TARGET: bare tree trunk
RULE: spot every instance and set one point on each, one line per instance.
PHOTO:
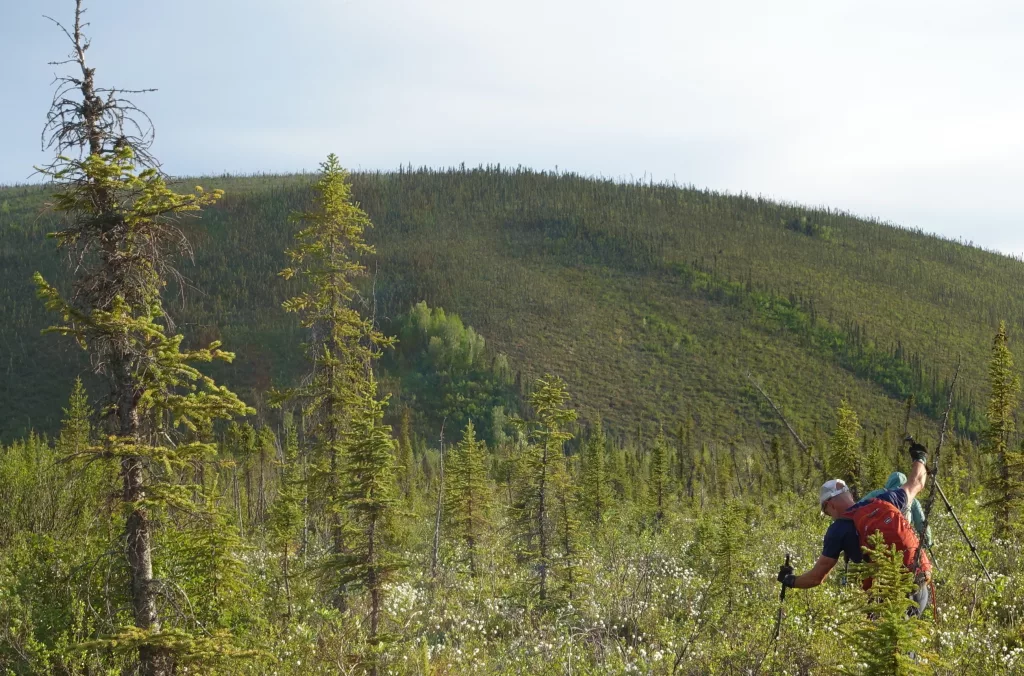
(337, 534)
(238, 500)
(567, 540)
(437, 514)
(305, 509)
(542, 532)
(248, 490)
(373, 582)
(287, 582)
(471, 537)
(261, 501)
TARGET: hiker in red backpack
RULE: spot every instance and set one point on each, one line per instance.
(853, 522)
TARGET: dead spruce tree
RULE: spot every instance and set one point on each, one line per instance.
(120, 234)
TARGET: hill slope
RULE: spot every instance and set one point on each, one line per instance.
(653, 302)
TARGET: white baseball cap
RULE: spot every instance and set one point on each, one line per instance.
(831, 489)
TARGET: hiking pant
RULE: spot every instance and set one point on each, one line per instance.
(921, 598)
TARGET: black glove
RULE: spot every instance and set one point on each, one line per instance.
(918, 452)
(786, 576)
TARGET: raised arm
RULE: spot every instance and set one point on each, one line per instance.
(918, 472)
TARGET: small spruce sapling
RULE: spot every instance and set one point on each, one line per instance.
(885, 641)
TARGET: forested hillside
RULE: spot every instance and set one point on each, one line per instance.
(653, 302)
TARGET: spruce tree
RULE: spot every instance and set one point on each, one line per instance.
(567, 529)
(885, 641)
(955, 465)
(246, 453)
(843, 447)
(541, 464)
(370, 498)
(874, 470)
(687, 463)
(266, 448)
(405, 464)
(619, 475)
(285, 520)
(724, 473)
(468, 493)
(1006, 483)
(211, 560)
(343, 344)
(120, 230)
(658, 479)
(76, 428)
(595, 483)
(701, 472)
(729, 550)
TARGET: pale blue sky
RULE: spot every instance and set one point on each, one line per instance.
(911, 112)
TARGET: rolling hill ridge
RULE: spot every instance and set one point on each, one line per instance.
(654, 302)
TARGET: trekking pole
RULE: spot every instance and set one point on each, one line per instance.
(937, 488)
(778, 628)
(933, 474)
(782, 607)
(967, 539)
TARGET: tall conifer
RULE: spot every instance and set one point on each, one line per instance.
(406, 466)
(595, 483)
(843, 448)
(343, 344)
(120, 231)
(658, 478)
(468, 493)
(541, 464)
(1005, 485)
(370, 498)
(285, 520)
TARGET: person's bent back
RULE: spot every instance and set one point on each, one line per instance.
(853, 522)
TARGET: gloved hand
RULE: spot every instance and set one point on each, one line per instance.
(786, 576)
(918, 452)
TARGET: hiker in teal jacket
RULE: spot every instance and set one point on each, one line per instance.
(913, 511)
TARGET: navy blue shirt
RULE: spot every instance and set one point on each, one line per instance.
(841, 537)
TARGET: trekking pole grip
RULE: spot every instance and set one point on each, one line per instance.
(782, 594)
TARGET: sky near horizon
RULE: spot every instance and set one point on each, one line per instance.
(909, 112)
